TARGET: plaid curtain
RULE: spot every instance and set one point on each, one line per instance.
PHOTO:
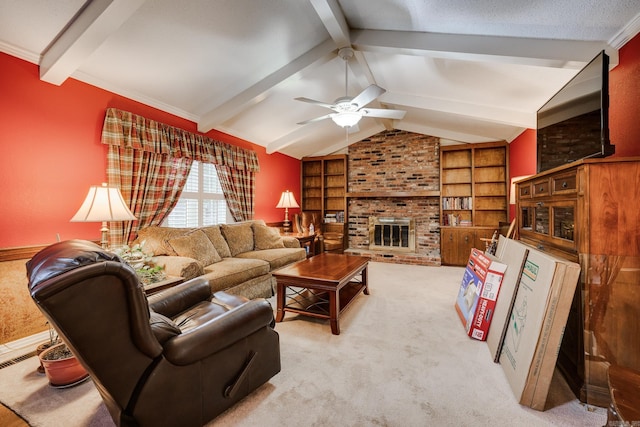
(151, 185)
(238, 192)
(150, 162)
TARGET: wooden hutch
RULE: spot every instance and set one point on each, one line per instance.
(587, 211)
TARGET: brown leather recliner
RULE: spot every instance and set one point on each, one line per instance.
(178, 358)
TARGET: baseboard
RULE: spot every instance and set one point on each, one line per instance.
(17, 349)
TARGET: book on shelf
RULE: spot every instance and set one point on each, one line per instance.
(449, 203)
(456, 220)
(335, 217)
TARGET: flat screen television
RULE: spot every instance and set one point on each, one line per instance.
(574, 123)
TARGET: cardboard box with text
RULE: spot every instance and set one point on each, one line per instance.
(479, 292)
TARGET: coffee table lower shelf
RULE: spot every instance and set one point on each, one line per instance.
(318, 303)
(308, 289)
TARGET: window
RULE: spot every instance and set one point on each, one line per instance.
(202, 201)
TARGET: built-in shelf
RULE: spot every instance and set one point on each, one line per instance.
(392, 194)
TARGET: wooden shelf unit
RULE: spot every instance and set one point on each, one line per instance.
(324, 190)
(473, 196)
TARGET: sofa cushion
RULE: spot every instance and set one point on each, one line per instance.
(215, 235)
(239, 237)
(266, 237)
(156, 239)
(276, 257)
(196, 245)
(231, 272)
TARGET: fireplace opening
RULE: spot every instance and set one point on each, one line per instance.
(396, 234)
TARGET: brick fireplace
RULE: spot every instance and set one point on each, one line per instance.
(395, 174)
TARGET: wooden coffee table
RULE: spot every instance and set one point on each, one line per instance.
(322, 286)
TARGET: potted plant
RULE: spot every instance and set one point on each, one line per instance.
(53, 340)
(61, 366)
(141, 262)
(58, 363)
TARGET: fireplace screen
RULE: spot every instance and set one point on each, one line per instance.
(396, 234)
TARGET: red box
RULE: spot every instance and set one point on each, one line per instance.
(478, 294)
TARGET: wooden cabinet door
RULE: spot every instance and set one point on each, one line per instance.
(456, 244)
(448, 243)
(466, 242)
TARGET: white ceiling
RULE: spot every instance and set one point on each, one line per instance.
(463, 70)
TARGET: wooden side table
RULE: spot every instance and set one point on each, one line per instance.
(307, 241)
(167, 283)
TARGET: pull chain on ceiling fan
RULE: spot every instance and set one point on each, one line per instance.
(348, 111)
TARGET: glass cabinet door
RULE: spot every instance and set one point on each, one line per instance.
(541, 219)
(549, 222)
(563, 222)
(526, 218)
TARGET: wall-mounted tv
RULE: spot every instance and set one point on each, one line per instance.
(574, 123)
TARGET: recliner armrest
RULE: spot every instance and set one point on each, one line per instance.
(217, 334)
(179, 298)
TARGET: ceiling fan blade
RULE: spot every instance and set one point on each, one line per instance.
(313, 101)
(317, 119)
(368, 95)
(383, 113)
(353, 129)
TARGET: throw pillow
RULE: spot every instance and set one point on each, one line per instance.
(214, 234)
(239, 237)
(196, 245)
(155, 239)
(267, 237)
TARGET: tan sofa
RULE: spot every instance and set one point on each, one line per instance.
(235, 258)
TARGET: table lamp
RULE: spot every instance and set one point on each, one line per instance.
(102, 204)
(287, 201)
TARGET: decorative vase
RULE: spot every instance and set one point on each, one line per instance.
(61, 367)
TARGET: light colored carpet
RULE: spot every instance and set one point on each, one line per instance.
(402, 359)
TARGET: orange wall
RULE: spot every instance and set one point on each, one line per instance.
(50, 153)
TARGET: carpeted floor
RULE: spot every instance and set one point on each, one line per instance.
(402, 359)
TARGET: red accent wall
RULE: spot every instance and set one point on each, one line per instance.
(522, 158)
(624, 108)
(50, 153)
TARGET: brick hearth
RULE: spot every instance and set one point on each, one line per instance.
(395, 163)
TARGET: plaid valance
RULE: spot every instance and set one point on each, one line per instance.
(128, 130)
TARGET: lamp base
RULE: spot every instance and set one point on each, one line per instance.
(104, 241)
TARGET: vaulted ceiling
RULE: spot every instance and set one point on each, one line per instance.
(463, 70)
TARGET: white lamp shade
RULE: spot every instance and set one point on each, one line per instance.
(346, 118)
(287, 200)
(103, 203)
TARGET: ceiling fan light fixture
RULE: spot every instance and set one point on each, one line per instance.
(346, 119)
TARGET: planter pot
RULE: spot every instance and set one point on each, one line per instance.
(62, 368)
(42, 347)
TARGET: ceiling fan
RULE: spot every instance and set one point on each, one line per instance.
(348, 111)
